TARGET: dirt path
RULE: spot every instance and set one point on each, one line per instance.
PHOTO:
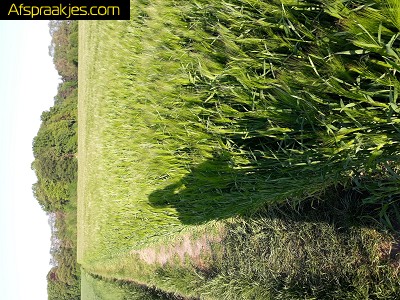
(197, 249)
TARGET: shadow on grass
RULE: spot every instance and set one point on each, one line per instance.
(319, 249)
(218, 189)
(327, 246)
(213, 190)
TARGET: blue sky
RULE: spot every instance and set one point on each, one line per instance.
(28, 83)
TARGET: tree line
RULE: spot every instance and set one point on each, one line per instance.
(55, 163)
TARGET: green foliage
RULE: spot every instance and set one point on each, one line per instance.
(63, 280)
(66, 89)
(57, 289)
(55, 144)
(64, 48)
(54, 148)
(55, 164)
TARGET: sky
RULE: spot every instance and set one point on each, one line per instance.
(28, 84)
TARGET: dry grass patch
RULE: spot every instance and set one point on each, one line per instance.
(198, 250)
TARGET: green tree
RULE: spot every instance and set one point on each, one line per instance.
(55, 164)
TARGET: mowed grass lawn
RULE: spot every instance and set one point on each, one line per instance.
(178, 188)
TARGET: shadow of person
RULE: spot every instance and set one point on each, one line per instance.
(214, 189)
(220, 188)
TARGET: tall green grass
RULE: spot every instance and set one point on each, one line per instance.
(194, 113)
(94, 288)
(302, 92)
(318, 249)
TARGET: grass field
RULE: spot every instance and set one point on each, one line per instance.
(94, 288)
(219, 158)
(118, 172)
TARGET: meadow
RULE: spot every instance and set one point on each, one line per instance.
(241, 149)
